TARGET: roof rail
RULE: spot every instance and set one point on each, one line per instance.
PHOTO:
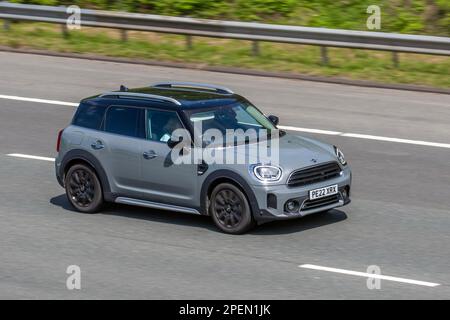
(193, 85)
(140, 96)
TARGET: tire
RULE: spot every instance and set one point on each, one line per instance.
(83, 189)
(230, 209)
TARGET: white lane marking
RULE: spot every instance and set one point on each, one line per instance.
(310, 130)
(417, 142)
(26, 156)
(63, 103)
(369, 137)
(317, 131)
(369, 275)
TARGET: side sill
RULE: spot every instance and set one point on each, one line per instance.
(155, 205)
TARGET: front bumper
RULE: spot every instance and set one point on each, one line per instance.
(272, 198)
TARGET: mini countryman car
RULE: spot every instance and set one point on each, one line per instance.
(121, 147)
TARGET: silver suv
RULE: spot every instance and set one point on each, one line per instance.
(122, 147)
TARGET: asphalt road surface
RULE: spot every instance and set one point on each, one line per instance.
(399, 219)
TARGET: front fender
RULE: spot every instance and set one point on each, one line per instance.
(236, 178)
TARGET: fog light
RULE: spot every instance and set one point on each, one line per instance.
(292, 206)
(345, 193)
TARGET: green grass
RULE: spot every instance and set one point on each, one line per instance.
(348, 63)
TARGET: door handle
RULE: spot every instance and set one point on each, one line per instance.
(149, 155)
(97, 145)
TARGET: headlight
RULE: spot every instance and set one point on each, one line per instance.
(267, 173)
(340, 155)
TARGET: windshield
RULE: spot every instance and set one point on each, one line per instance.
(241, 119)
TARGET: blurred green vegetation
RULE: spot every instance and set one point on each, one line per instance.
(404, 16)
(303, 59)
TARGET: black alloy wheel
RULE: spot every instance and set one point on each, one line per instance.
(230, 209)
(83, 189)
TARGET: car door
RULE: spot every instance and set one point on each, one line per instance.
(119, 148)
(166, 182)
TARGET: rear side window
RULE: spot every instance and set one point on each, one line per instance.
(125, 121)
(89, 116)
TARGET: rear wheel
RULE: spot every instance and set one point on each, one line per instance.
(230, 209)
(83, 189)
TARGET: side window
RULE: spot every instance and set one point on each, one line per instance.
(161, 124)
(124, 121)
(242, 116)
(89, 116)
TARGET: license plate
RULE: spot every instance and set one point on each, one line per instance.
(323, 192)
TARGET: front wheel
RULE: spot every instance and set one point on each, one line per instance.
(230, 209)
(83, 189)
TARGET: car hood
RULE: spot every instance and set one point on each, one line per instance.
(296, 152)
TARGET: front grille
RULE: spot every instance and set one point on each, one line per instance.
(314, 174)
(317, 203)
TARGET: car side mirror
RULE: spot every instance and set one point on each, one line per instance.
(274, 119)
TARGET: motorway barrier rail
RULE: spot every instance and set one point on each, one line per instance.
(232, 30)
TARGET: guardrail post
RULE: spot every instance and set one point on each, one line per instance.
(124, 35)
(324, 55)
(395, 59)
(6, 25)
(255, 48)
(189, 42)
(65, 30)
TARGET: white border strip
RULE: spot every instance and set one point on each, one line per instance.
(62, 103)
(26, 156)
(369, 275)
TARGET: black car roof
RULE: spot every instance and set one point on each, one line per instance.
(181, 98)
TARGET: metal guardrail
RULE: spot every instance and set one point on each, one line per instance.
(233, 30)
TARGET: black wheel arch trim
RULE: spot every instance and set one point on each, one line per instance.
(78, 154)
(237, 179)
